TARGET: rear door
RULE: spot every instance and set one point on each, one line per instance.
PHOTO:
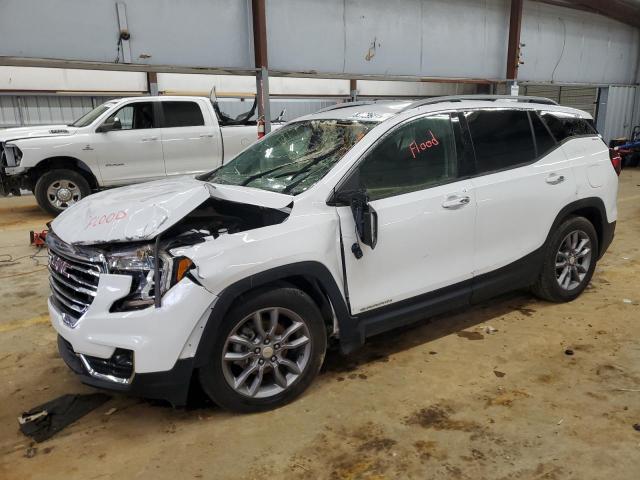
(523, 179)
(190, 137)
(132, 153)
(426, 216)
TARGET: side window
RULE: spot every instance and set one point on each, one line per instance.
(415, 156)
(544, 140)
(135, 116)
(564, 125)
(181, 114)
(501, 138)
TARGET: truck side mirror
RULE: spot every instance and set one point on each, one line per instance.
(107, 126)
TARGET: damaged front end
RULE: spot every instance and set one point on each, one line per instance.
(159, 264)
(120, 279)
(151, 264)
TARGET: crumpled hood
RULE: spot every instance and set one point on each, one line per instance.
(141, 212)
(36, 132)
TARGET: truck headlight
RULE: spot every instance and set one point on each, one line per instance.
(11, 156)
(139, 263)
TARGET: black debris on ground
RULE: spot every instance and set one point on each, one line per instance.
(44, 421)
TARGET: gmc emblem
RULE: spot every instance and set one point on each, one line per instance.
(59, 265)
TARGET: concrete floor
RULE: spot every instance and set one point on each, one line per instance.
(444, 399)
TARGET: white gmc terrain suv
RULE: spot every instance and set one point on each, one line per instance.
(346, 223)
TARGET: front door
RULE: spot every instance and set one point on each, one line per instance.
(133, 152)
(425, 213)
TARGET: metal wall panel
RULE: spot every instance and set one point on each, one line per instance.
(426, 38)
(548, 91)
(573, 46)
(294, 107)
(172, 32)
(446, 38)
(621, 108)
(9, 114)
(23, 110)
(582, 98)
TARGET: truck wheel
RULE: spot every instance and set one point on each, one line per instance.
(268, 350)
(56, 190)
(569, 261)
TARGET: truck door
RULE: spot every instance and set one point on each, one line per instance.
(131, 150)
(190, 137)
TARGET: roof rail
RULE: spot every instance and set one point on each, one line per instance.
(488, 98)
(345, 105)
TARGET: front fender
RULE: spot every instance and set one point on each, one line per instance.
(351, 335)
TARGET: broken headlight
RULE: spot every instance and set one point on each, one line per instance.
(139, 263)
(11, 156)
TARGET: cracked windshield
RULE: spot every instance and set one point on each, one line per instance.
(293, 158)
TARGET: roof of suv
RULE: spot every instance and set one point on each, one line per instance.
(382, 110)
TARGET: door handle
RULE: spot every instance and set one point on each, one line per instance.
(456, 201)
(206, 135)
(150, 139)
(554, 179)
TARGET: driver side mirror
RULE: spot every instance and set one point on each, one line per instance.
(364, 216)
(107, 126)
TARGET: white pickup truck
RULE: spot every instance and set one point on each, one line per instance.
(124, 141)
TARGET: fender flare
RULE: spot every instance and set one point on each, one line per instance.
(601, 224)
(350, 334)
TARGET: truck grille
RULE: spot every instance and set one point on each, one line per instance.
(73, 276)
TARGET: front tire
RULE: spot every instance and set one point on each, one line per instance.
(268, 350)
(56, 190)
(569, 261)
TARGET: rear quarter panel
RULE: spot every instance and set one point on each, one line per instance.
(595, 176)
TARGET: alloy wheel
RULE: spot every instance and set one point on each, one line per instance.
(266, 352)
(573, 259)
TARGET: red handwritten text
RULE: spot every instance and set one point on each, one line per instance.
(106, 218)
(416, 148)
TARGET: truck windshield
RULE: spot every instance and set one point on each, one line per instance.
(90, 116)
(293, 158)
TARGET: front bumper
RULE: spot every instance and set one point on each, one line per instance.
(160, 342)
(11, 184)
(172, 385)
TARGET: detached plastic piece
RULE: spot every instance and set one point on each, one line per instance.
(44, 421)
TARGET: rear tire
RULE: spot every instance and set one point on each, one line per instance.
(570, 258)
(56, 190)
(268, 350)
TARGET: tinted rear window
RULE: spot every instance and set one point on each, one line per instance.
(501, 138)
(181, 114)
(564, 125)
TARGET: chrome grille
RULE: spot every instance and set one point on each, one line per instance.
(74, 273)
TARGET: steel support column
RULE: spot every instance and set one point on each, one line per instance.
(513, 50)
(353, 89)
(261, 62)
(152, 83)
